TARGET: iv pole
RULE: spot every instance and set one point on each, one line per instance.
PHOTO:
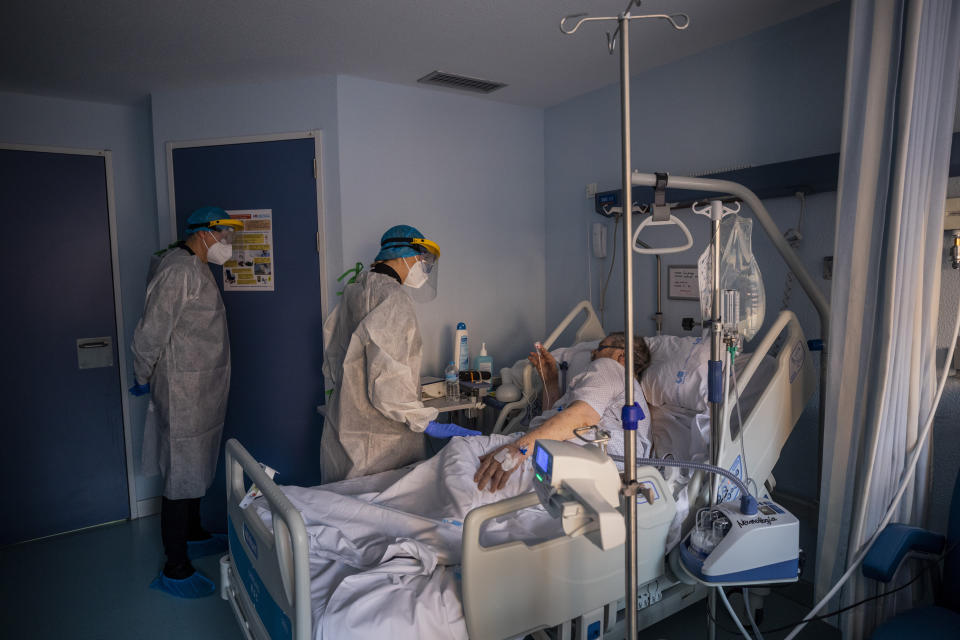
(631, 411)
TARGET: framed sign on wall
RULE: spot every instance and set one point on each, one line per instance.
(682, 283)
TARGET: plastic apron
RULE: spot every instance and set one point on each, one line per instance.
(372, 354)
(182, 347)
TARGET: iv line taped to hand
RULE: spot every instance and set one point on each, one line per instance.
(507, 459)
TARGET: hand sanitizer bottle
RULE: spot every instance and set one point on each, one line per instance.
(484, 363)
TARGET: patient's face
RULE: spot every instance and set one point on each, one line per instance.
(606, 350)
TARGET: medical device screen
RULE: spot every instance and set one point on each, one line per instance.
(542, 460)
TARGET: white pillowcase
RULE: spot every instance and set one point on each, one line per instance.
(677, 375)
(577, 357)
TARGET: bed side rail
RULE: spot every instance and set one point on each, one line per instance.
(776, 412)
(590, 328)
(277, 561)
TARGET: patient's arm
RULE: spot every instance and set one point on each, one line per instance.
(491, 474)
(546, 365)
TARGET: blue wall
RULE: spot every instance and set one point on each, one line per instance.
(773, 96)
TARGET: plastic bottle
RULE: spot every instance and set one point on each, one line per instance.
(461, 352)
(453, 382)
(483, 361)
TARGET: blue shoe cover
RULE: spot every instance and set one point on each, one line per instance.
(216, 543)
(196, 586)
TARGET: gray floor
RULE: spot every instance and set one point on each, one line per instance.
(781, 607)
(94, 585)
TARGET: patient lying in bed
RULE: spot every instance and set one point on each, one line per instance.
(595, 396)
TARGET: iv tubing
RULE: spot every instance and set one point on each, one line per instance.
(904, 482)
(698, 466)
(683, 464)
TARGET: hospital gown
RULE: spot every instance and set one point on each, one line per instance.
(600, 385)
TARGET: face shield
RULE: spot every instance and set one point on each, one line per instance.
(422, 288)
(224, 235)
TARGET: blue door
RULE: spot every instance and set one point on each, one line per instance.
(62, 463)
(276, 338)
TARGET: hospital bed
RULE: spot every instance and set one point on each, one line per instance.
(280, 586)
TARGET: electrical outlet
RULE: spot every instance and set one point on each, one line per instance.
(828, 267)
(591, 190)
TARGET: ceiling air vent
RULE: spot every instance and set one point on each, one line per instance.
(464, 83)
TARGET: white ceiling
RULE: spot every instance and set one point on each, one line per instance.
(121, 50)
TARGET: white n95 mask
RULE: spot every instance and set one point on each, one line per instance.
(218, 252)
(416, 276)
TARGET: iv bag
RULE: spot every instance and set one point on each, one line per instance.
(738, 271)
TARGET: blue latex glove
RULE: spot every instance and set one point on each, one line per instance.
(139, 389)
(443, 430)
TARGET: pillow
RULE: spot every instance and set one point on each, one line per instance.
(677, 375)
(577, 358)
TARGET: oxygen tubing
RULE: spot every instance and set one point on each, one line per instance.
(745, 497)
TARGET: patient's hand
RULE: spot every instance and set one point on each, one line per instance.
(546, 366)
(492, 473)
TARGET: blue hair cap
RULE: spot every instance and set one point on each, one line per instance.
(198, 219)
(395, 243)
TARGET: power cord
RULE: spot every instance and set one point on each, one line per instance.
(934, 562)
(613, 260)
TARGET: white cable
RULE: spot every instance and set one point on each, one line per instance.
(613, 260)
(753, 623)
(589, 261)
(733, 615)
(904, 481)
(743, 452)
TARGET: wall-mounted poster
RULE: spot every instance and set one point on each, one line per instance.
(252, 267)
(682, 282)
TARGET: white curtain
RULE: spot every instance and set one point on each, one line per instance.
(902, 69)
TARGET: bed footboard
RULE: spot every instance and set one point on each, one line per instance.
(271, 593)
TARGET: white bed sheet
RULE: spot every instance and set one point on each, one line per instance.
(385, 549)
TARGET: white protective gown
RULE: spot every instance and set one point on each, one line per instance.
(372, 353)
(182, 348)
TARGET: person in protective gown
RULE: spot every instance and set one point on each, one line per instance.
(181, 353)
(375, 420)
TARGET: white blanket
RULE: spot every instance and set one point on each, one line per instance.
(385, 549)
